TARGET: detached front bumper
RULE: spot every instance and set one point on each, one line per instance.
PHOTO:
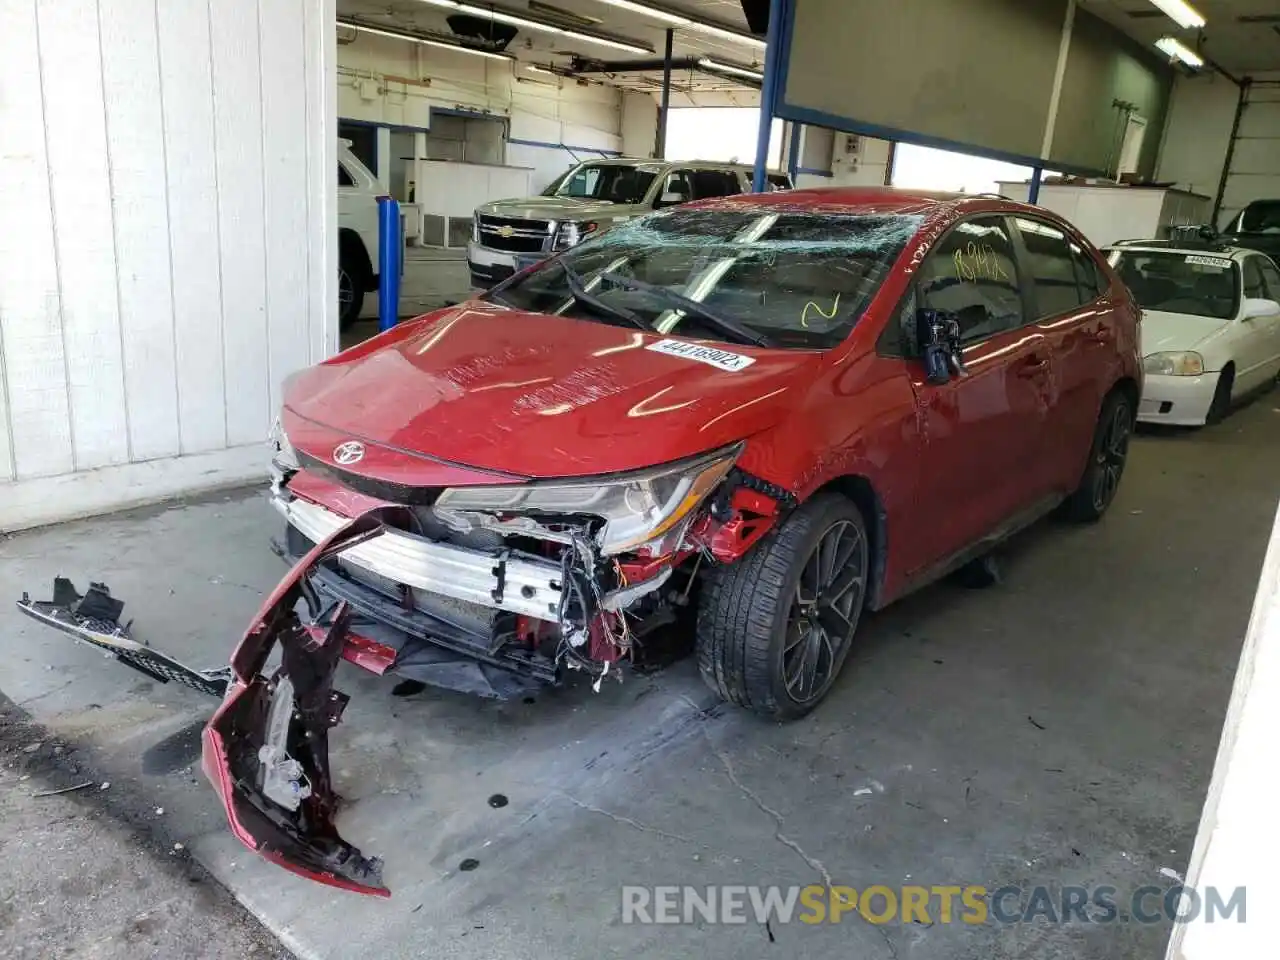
(266, 750)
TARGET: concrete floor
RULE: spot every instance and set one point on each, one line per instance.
(1059, 729)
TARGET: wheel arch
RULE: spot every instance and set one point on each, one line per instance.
(351, 248)
(859, 489)
(1129, 387)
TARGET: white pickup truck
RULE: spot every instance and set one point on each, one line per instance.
(358, 192)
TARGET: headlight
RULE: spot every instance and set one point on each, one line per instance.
(1181, 364)
(636, 507)
(570, 234)
(475, 226)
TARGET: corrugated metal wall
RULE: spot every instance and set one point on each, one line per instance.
(166, 182)
(1255, 159)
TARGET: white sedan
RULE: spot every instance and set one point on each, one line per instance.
(1210, 326)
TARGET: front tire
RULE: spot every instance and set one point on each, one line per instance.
(1221, 404)
(1107, 458)
(774, 629)
(352, 283)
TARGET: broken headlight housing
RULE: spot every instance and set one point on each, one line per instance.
(284, 461)
(1174, 364)
(637, 508)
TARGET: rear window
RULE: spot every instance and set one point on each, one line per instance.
(1261, 216)
(1205, 285)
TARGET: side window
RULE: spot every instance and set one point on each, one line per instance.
(344, 178)
(1271, 277)
(1093, 282)
(1053, 272)
(714, 183)
(972, 274)
(676, 189)
(1253, 285)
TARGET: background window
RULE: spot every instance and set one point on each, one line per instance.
(1253, 285)
(1271, 277)
(972, 274)
(1053, 272)
(714, 183)
(344, 178)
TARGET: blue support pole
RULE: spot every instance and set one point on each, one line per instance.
(793, 151)
(768, 92)
(390, 254)
(1033, 195)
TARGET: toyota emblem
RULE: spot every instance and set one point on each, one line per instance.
(348, 453)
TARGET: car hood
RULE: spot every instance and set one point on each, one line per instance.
(1163, 331)
(542, 396)
(554, 208)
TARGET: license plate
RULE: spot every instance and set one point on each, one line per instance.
(525, 262)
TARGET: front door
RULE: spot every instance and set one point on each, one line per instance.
(1256, 338)
(985, 432)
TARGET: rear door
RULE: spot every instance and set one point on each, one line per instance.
(985, 432)
(1069, 306)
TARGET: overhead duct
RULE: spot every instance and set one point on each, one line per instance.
(492, 34)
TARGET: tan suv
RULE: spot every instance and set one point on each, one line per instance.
(588, 199)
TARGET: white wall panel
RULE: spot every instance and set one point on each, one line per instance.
(136, 152)
(237, 118)
(35, 425)
(176, 255)
(1255, 161)
(186, 76)
(1194, 145)
(80, 184)
(284, 114)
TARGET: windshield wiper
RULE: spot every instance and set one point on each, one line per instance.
(726, 325)
(586, 298)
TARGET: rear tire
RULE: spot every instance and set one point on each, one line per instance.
(774, 629)
(1107, 457)
(1221, 404)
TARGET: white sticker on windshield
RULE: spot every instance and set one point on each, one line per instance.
(1217, 262)
(720, 359)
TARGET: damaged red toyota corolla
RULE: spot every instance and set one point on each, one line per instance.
(780, 410)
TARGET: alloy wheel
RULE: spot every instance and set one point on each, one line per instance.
(1112, 453)
(824, 611)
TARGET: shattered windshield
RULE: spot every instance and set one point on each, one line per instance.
(785, 278)
(613, 182)
(1202, 285)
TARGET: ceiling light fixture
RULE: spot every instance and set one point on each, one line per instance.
(500, 16)
(412, 38)
(679, 20)
(1178, 51)
(1181, 13)
(715, 65)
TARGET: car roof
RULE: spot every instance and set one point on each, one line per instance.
(881, 200)
(649, 161)
(1182, 247)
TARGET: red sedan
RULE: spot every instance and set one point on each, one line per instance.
(776, 411)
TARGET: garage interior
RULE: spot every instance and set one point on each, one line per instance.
(172, 256)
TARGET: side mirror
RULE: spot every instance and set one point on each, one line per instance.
(670, 199)
(938, 336)
(1256, 307)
